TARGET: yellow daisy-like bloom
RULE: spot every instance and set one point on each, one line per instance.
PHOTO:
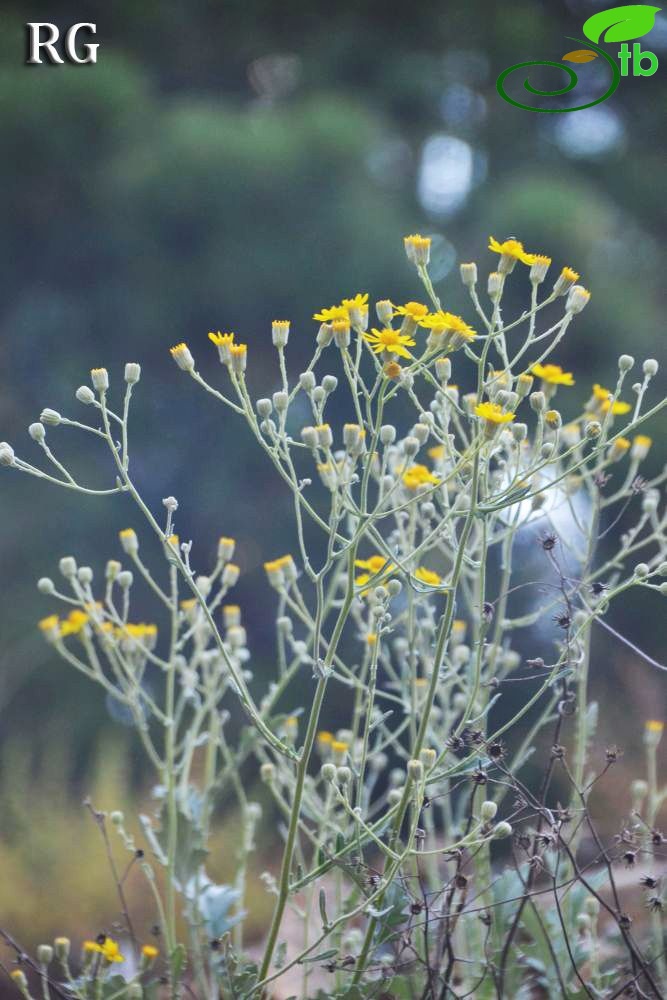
(428, 576)
(618, 408)
(50, 626)
(109, 949)
(513, 249)
(540, 258)
(419, 475)
(415, 310)
(553, 374)
(74, 624)
(221, 339)
(493, 413)
(150, 951)
(334, 312)
(446, 322)
(390, 341)
(360, 301)
(373, 565)
(569, 275)
(324, 738)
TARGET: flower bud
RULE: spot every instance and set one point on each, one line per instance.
(641, 571)
(428, 757)
(324, 335)
(343, 775)
(502, 830)
(6, 454)
(328, 771)
(593, 429)
(307, 381)
(37, 432)
(577, 300)
(50, 417)
(117, 818)
(625, 363)
(62, 947)
(280, 332)
(591, 906)
(415, 770)
(100, 378)
(411, 446)
(67, 567)
(44, 954)
(125, 579)
(468, 274)
(309, 437)
(85, 575)
(329, 384)
(537, 401)
(85, 395)
(650, 367)
(230, 575)
(280, 401)
(45, 585)
(132, 372)
(19, 979)
(494, 285)
(384, 311)
(267, 773)
(488, 811)
(583, 922)
(387, 434)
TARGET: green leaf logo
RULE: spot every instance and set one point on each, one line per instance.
(621, 24)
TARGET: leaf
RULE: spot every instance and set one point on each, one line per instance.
(580, 56)
(621, 24)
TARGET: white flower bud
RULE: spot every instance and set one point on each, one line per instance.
(324, 335)
(537, 401)
(307, 381)
(394, 587)
(62, 948)
(67, 567)
(625, 363)
(44, 954)
(6, 454)
(384, 311)
(494, 285)
(577, 300)
(117, 818)
(488, 811)
(85, 575)
(428, 757)
(85, 395)
(125, 579)
(593, 429)
(230, 575)
(171, 504)
(324, 435)
(132, 372)
(280, 332)
(267, 773)
(421, 432)
(343, 775)
(415, 770)
(468, 274)
(100, 379)
(51, 417)
(37, 432)
(309, 437)
(411, 446)
(387, 434)
(443, 369)
(502, 830)
(328, 771)
(112, 569)
(280, 401)
(641, 571)
(329, 384)
(264, 408)
(650, 367)
(45, 585)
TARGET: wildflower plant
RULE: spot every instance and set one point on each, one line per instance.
(400, 604)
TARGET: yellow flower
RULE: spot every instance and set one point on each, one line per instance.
(48, 624)
(428, 576)
(542, 259)
(392, 369)
(339, 746)
(221, 339)
(109, 949)
(324, 738)
(74, 623)
(641, 445)
(371, 638)
(334, 312)
(417, 249)
(512, 249)
(415, 310)
(446, 322)
(181, 355)
(654, 726)
(390, 341)
(238, 356)
(150, 951)
(653, 732)
(553, 374)
(437, 452)
(493, 413)
(374, 564)
(419, 475)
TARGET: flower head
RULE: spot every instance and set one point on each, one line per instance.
(181, 355)
(428, 576)
(415, 310)
(390, 341)
(419, 475)
(510, 252)
(417, 249)
(553, 374)
(109, 949)
(493, 413)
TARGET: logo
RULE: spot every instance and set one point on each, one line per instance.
(44, 35)
(619, 24)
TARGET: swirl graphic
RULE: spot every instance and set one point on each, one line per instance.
(573, 81)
